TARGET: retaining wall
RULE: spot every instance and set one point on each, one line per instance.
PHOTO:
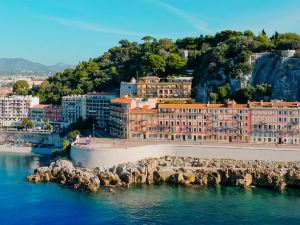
(108, 157)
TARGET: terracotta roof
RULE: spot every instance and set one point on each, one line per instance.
(145, 110)
(201, 106)
(122, 100)
(274, 104)
(40, 106)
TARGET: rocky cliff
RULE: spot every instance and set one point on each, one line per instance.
(280, 69)
(283, 73)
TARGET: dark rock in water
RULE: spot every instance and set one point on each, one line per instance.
(169, 169)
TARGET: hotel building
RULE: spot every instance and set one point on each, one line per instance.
(14, 109)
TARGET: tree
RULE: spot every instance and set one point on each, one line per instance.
(166, 44)
(155, 63)
(213, 97)
(47, 125)
(27, 123)
(244, 95)
(262, 91)
(147, 39)
(21, 87)
(248, 33)
(175, 64)
(224, 91)
(73, 134)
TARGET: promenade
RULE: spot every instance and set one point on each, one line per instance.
(109, 152)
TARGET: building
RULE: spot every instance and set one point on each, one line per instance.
(73, 107)
(255, 122)
(119, 116)
(164, 89)
(143, 123)
(128, 88)
(98, 107)
(37, 114)
(14, 109)
(54, 115)
(275, 122)
(204, 122)
(192, 122)
(155, 87)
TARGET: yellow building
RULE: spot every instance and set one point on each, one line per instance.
(169, 88)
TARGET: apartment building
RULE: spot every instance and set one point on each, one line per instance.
(204, 122)
(197, 122)
(275, 122)
(119, 116)
(98, 106)
(261, 122)
(13, 109)
(73, 106)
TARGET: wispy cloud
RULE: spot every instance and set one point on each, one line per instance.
(90, 26)
(188, 17)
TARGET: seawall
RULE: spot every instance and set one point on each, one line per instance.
(108, 156)
(46, 138)
(25, 150)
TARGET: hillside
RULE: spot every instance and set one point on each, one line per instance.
(15, 66)
(222, 65)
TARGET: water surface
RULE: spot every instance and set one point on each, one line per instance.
(27, 203)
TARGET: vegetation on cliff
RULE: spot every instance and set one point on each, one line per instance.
(223, 56)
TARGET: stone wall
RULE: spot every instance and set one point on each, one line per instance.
(28, 137)
(107, 156)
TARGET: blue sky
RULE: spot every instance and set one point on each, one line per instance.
(51, 31)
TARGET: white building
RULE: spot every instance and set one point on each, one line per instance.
(128, 88)
(73, 106)
(14, 109)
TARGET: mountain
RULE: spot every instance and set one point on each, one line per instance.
(20, 66)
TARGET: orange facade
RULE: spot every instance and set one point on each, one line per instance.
(255, 122)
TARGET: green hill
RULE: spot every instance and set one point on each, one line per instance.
(223, 56)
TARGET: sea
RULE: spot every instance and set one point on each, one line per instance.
(23, 203)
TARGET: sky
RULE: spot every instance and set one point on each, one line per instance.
(69, 31)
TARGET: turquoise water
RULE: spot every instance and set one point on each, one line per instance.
(26, 203)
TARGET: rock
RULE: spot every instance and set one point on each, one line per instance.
(176, 170)
(213, 178)
(162, 175)
(293, 178)
(64, 172)
(112, 190)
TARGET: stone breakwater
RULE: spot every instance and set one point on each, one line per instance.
(174, 170)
